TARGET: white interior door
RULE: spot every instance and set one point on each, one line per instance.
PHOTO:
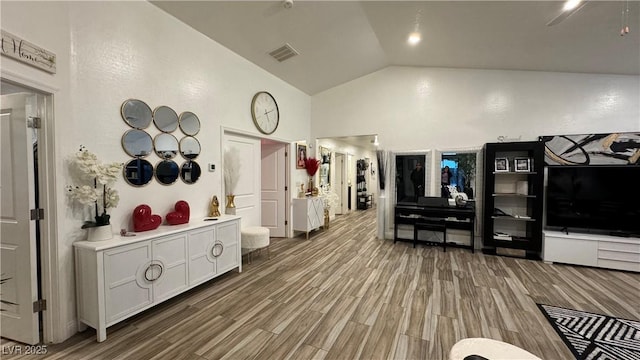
(341, 184)
(273, 188)
(17, 231)
(247, 190)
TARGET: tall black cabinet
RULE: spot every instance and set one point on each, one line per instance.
(363, 198)
(513, 196)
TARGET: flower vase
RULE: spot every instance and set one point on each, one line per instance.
(99, 233)
(231, 206)
(310, 188)
(326, 219)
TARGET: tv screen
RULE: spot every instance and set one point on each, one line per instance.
(594, 198)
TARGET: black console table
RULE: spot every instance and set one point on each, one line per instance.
(454, 217)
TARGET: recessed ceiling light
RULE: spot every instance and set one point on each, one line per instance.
(414, 38)
(571, 4)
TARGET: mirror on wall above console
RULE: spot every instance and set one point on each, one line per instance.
(167, 172)
(190, 172)
(137, 143)
(136, 113)
(189, 147)
(189, 123)
(166, 146)
(325, 162)
(138, 172)
(165, 118)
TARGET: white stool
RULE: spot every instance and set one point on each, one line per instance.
(254, 238)
(490, 349)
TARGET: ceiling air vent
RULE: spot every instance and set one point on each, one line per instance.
(284, 52)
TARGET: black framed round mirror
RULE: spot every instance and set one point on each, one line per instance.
(189, 147)
(166, 146)
(189, 123)
(137, 143)
(165, 118)
(167, 172)
(136, 113)
(190, 172)
(138, 172)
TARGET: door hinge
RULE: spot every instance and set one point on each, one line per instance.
(286, 188)
(34, 122)
(37, 214)
(286, 154)
(39, 305)
(286, 222)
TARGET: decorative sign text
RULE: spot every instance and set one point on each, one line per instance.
(24, 51)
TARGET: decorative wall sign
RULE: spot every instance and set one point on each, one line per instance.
(592, 149)
(28, 53)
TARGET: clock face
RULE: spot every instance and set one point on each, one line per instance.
(264, 111)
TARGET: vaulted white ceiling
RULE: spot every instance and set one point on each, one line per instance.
(339, 41)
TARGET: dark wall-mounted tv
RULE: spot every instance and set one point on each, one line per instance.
(600, 199)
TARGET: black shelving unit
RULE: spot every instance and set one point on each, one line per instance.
(513, 196)
(363, 201)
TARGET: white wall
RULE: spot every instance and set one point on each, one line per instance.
(435, 108)
(108, 52)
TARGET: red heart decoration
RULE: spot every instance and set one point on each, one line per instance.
(143, 220)
(181, 215)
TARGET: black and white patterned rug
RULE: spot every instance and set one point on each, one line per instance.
(594, 336)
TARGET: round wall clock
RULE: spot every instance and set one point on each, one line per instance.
(264, 111)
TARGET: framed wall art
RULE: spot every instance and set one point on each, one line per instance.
(301, 155)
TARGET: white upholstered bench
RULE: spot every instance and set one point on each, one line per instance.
(253, 238)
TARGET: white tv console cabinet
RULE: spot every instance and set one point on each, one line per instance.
(118, 278)
(611, 252)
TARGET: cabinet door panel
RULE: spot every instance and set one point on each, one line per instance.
(125, 288)
(316, 213)
(171, 254)
(228, 259)
(202, 265)
(228, 233)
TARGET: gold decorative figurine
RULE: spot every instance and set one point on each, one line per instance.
(214, 207)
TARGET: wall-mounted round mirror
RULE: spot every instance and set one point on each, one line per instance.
(165, 118)
(167, 172)
(189, 123)
(136, 113)
(189, 147)
(190, 172)
(166, 146)
(137, 143)
(138, 172)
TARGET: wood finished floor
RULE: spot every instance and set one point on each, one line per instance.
(343, 294)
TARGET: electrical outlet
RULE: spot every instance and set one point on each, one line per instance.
(212, 167)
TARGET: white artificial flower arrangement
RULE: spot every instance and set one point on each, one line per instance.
(231, 170)
(100, 196)
(329, 197)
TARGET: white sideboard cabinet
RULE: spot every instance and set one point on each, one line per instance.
(611, 252)
(118, 278)
(308, 214)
